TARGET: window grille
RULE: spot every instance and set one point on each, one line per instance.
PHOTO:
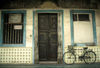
(13, 28)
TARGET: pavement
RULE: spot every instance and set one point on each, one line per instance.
(97, 65)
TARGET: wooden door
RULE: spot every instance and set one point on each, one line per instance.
(47, 36)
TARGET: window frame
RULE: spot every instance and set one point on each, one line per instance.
(77, 15)
(92, 12)
(24, 29)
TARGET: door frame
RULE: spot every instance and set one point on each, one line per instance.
(35, 34)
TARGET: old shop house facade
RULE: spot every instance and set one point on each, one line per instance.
(39, 31)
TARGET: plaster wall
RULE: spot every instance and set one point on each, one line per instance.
(67, 31)
(29, 28)
(97, 17)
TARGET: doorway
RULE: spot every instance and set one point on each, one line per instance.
(47, 36)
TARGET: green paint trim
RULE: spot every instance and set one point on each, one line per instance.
(33, 45)
(93, 22)
(2, 15)
(84, 44)
(49, 11)
(16, 11)
(94, 28)
(24, 30)
(63, 30)
(72, 28)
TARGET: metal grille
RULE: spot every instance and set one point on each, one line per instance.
(12, 31)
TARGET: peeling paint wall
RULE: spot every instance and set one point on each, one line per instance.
(11, 4)
(97, 17)
(67, 29)
(29, 28)
(48, 4)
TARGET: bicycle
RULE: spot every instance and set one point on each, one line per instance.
(88, 56)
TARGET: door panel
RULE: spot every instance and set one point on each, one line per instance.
(43, 55)
(53, 36)
(47, 36)
(43, 22)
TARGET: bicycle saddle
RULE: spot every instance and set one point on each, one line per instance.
(85, 48)
(70, 47)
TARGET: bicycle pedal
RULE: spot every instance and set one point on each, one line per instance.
(81, 57)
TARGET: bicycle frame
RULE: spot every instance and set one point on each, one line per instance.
(81, 57)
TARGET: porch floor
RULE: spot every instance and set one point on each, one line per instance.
(96, 65)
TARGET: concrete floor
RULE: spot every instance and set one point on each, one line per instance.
(97, 65)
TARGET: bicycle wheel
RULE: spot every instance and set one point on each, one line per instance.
(89, 57)
(69, 58)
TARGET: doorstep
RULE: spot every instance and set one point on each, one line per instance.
(47, 62)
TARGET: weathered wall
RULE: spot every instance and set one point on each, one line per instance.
(97, 17)
(29, 28)
(67, 29)
(11, 4)
(29, 35)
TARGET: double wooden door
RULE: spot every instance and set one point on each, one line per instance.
(47, 36)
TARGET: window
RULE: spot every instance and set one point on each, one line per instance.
(83, 30)
(13, 28)
(81, 17)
